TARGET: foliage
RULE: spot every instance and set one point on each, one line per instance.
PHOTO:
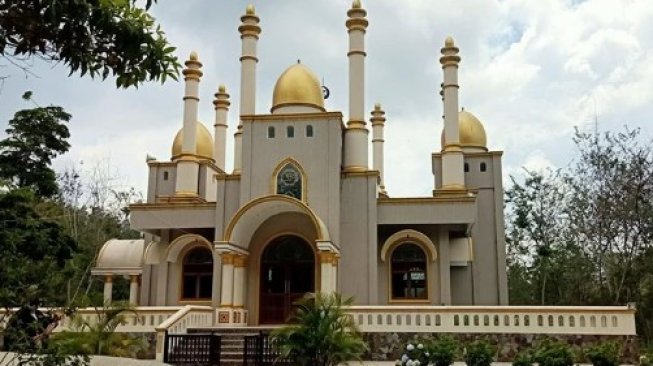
(33, 250)
(603, 354)
(95, 37)
(442, 351)
(552, 353)
(523, 358)
(34, 137)
(321, 333)
(478, 353)
(583, 235)
(98, 336)
(415, 355)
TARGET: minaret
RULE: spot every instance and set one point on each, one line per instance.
(249, 32)
(378, 122)
(453, 177)
(187, 164)
(355, 159)
(221, 104)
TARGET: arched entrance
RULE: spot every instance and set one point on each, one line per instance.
(287, 273)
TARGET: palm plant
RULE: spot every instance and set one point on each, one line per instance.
(98, 336)
(321, 333)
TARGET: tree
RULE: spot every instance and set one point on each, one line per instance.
(35, 137)
(321, 333)
(94, 37)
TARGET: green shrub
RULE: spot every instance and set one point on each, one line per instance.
(523, 359)
(442, 351)
(478, 353)
(551, 353)
(646, 359)
(414, 355)
(603, 354)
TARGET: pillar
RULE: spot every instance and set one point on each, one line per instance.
(445, 266)
(240, 287)
(356, 134)
(133, 290)
(378, 122)
(249, 33)
(453, 177)
(187, 164)
(108, 289)
(221, 104)
(327, 260)
(227, 294)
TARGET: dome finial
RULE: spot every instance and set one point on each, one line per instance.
(448, 42)
(356, 4)
(250, 10)
(222, 88)
(193, 56)
(377, 106)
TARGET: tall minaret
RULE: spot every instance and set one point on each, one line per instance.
(249, 32)
(221, 104)
(453, 177)
(187, 165)
(355, 159)
(378, 122)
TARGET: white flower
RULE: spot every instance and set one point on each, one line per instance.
(416, 363)
(410, 347)
(404, 358)
(420, 346)
(409, 363)
(426, 354)
(322, 314)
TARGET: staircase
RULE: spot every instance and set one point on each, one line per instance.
(233, 342)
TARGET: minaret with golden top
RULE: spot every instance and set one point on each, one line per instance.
(187, 162)
(249, 33)
(356, 135)
(221, 103)
(453, 177)
(378, 122)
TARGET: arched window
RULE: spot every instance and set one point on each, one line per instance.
(271, 132)
(290, 131)
(197, 274)
(408, 268)
(289, 181)
(309, 131)
(483, 167)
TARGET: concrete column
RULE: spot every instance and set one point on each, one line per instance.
(240, 283)
(445, 266)
(227, 295)
(108, 289)
(221, 104)
(453, 176)
(133, 290)
(187, 164)
(356, 134)
(327, 259)
(249, 34)
(378, 122)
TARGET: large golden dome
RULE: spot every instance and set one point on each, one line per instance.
(298, 86)
(471, 132)
(203, 143)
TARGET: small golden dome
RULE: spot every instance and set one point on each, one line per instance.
(203, 144)
(249, 10)
(356, 4)
(298, 85)
(193, 56)
(471, 131)
(448, 42)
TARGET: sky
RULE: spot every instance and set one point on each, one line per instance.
(531, 70)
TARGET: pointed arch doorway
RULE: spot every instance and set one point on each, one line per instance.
(287, 273)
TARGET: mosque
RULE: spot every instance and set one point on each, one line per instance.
(304, 211)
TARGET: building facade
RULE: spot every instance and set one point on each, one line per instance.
(304, 211)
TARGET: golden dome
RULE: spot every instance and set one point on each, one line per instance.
(203, 144)
(471, 132)
(298, 85)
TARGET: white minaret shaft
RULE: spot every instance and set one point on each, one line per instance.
(378, 122)
(187, 166)
(452, 155)
(249, 32)
(356, 135)
(221, 104)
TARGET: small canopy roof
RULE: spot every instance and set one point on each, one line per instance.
(122, 257)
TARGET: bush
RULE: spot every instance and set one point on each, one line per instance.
(603, 354)
(415, 355)
(442, 351)
(551, 353)
(523, 359)
(646, 359)
(478, 353)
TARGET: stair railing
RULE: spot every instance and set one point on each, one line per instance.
(190, 316)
